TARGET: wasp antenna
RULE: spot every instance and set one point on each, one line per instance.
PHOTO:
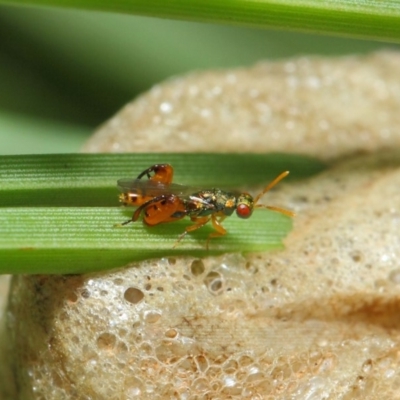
(271, 185)
(277, 209)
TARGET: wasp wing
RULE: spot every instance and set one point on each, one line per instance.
(151, 188)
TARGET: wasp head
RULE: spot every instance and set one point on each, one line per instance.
(245, 202)
(244, 205)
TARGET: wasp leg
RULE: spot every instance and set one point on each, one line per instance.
(216, 222)
(162, 173)
(136, 214)
(198, 223)
(122, 224)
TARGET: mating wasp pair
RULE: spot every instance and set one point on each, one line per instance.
(161, 201)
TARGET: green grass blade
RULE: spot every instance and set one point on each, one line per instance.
(78, 240)
(360, 18)
(90, 179)
(59, 213)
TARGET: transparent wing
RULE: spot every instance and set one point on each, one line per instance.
(150, 188)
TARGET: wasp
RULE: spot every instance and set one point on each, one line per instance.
(161, 201)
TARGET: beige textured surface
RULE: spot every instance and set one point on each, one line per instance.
(319, 320)
(304, 105)
(6, 380)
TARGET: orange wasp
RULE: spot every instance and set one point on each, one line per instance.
(162, 201)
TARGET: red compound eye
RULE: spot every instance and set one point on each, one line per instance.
(243, 211)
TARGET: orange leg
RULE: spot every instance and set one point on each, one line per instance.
(216, 222)
(162, 173)
(198, 223)
(158, 173)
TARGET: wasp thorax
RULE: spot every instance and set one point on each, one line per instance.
(244, 205)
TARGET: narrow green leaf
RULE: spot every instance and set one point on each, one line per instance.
(360, 18)
(77, 240)
(60, 213)
(90, 179)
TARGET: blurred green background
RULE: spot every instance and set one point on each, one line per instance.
(63, 72)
